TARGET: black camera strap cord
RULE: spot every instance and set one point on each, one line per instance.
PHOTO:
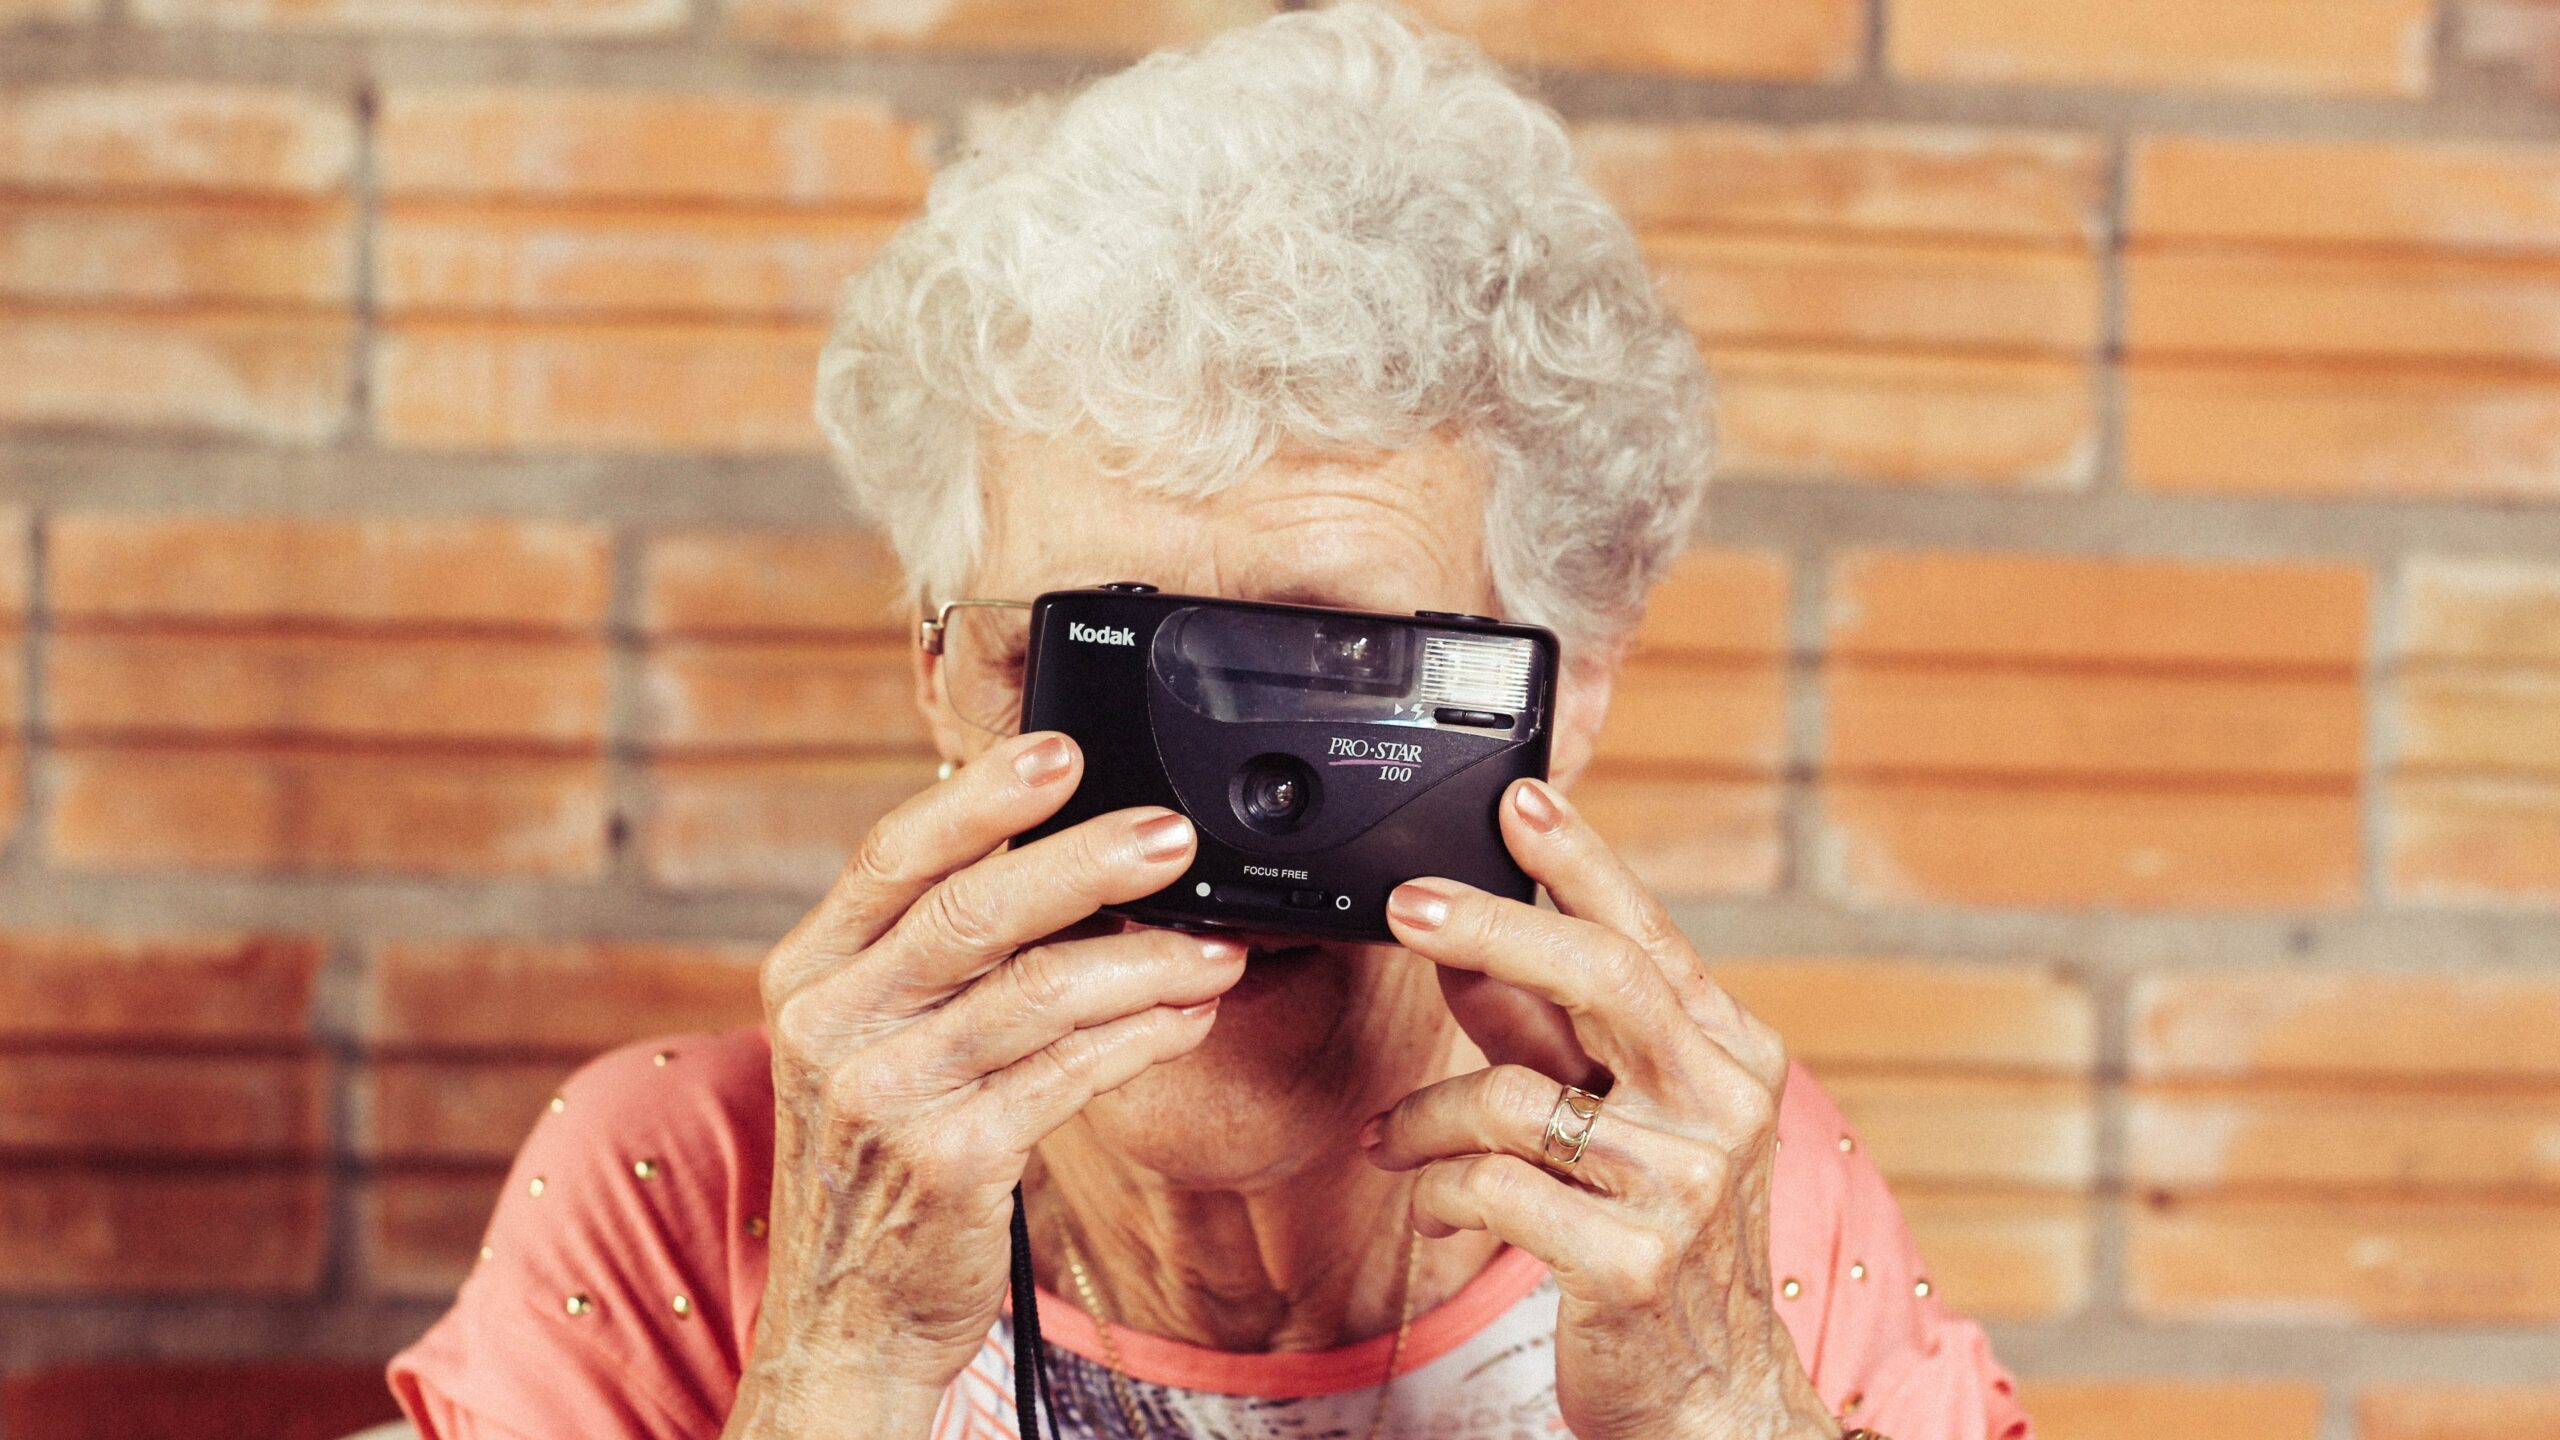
(1030, 1356)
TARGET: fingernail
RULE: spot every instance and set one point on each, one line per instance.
(1372, 1132)
(1221, 952)
(1164, 837)
(1205, 1007)
(1044, 762)
(1419, 905)
(1537, 806)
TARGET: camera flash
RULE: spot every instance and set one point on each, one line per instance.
(1476, 673)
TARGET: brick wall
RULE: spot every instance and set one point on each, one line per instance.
(2111, 721)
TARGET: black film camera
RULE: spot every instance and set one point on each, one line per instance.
(1324, 756)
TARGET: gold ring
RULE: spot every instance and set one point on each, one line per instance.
(1562, 1148)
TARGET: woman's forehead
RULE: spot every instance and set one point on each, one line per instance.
(1383, 530)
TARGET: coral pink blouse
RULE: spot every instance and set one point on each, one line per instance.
(617, 1294)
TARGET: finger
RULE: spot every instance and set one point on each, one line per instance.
(1047, 991)
(1026, 1100)
(974, 918)
(1503, 1110)
(939, 829)
(1623, 1011)
(1588, 879)
(1597, 1249)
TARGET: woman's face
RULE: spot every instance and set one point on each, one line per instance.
(1315, 1038)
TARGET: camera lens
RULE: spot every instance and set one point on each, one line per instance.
(1273, 793)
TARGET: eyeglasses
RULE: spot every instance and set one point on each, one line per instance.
(981, 644)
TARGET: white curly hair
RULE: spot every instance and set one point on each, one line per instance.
(1333, 227)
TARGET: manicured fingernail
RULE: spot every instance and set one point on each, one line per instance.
(1221, 952)
(1164, 837)
(1419, 905)
(1537, 806)
(1044, 762)
(1205, 1007)
(1373, 1132)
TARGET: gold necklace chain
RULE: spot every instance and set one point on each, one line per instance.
(1116, 1368)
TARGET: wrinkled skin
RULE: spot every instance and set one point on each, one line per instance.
(1242, 1148)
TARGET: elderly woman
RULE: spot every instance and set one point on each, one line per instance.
(1317, 312)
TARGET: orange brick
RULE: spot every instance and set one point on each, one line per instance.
(2292, 47)
(1730, 603)
(622, 146)
(2480, 724)
(529, 18)
(1890, 1014)
(80, 1233)
(555, 998)
(1689, 837)
(2486, 611)
(1764, 39)
(13, 788)
(2468, 195)
(2152, 1409)
(2003, 1257)
(443, 258)
(784, 824)
(712, 582)
(511, 573)
(451, 1110)
(1958, 721)
(1083, 27)
(1855, 292)
(2239, 428)
(2474, 840)
(280, 377)
(2341, 1262)
(1725, 718)
(2359, 1139)
(254, 989)
(176, 252)
(2345, 307)
(2081, 609)
(145, 135)
(730, 389)
(1873, 179)
(322, 812)
(1787, 414)
(775, 695)
(1974, 1130)
(2346, 1023)
(14, 584)
(336, 686)
(120, 1106)
(2443, 1412)
(1946, 844)
(418, 1233)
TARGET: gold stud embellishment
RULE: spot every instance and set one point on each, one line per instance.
(756, 1226)
(558, 1104)
(1857, 1269)
(534, 1187)
(681, 1305)
(1847, 1144)
(1856, 1399)
(661, 1058)
(577, 1305)
(1791, 1289)
(1921, 1289)
(645, 1169)
(486, 1253)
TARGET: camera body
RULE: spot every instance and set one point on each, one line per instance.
(1324, 756)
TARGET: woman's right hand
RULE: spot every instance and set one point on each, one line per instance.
(930, 1023)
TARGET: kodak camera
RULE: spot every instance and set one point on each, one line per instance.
(1324, 756)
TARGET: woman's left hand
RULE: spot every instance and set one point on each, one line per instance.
(1659, 1235)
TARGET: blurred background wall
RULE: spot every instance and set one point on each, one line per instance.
(2111, 721)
